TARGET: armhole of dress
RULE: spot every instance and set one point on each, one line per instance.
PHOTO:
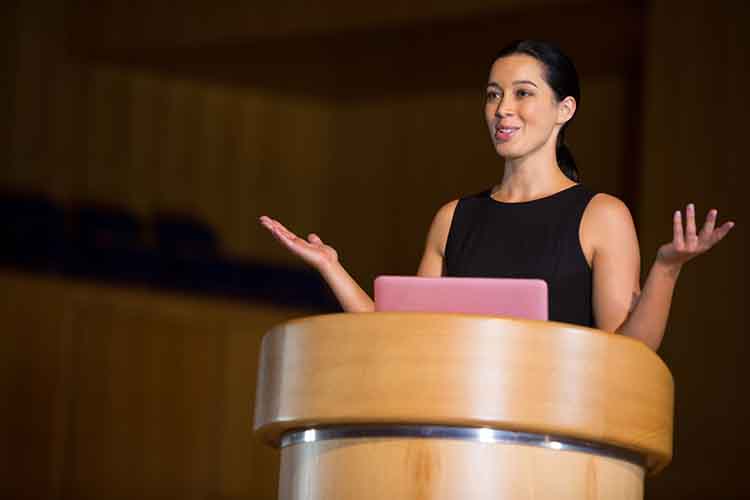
(581, 253)
(449, 240)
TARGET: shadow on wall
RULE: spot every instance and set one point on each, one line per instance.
(171, 251)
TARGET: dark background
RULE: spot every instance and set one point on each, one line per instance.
(142, 140)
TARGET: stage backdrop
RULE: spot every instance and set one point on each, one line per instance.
(358, 131)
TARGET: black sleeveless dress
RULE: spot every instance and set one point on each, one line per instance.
(534, 239)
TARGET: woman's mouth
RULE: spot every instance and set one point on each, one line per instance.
(505, 133)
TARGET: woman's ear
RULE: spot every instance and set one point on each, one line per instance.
(566, 109)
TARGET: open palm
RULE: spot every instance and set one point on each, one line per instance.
(688, 243)
(313, 250)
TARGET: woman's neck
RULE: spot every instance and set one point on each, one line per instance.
(529, 178)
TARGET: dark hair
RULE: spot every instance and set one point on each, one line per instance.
(561, 75)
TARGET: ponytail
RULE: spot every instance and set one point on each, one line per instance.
(565, 159)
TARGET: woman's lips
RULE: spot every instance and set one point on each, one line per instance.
(505, 133)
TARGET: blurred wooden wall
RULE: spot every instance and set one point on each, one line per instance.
(113, 393)
(695, 134)
(361, 147)
(202, 127)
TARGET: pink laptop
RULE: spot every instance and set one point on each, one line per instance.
(512, 297)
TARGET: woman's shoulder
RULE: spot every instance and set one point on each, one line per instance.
(606, 206)
(440, 227)
(444, 214)
(605, 217)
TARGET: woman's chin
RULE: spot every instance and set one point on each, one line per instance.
(505, 151)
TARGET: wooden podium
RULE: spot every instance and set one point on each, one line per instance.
(460, 407)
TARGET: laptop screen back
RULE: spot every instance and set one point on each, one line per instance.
(511, 297)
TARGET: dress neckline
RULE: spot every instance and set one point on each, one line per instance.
(536, 200)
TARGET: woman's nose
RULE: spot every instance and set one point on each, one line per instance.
(504, 108)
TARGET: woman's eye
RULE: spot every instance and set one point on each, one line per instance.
(523, 93)
(492, 95)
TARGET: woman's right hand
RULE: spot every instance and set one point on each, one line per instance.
(325, 259)
(313, 250)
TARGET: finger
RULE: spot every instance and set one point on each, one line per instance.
(273, 228)
(265, 221)
(721, 232)
(280, 232)
(291, 241)
(283, 230)
(268, 222)
(690, 236)
(314, 238)
(677, 236)
(708, 226)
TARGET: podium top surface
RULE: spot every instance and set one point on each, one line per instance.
(465, 370)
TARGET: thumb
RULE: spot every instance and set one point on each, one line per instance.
(313, 238)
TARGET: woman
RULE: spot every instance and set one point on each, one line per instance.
(539, 222)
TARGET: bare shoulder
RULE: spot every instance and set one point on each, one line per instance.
(440, 227)
(445, 213)
(606, 220)
(607, 209)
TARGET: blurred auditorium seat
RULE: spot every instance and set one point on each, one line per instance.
(172, 251)
(190, 258)
(188, 252)
(32, 231)
(108, 243)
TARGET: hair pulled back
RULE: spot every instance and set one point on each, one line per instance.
(561, 75)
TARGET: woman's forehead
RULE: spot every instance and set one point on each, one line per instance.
(515, 68)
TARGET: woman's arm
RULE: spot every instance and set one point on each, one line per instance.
(616, 269)
(349, 294)
(649, 318)
(616, 260)
(433, 259)
(325, 259)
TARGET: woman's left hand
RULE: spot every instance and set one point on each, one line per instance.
(688, 244)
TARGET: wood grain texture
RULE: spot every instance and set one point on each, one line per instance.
(114, 393)
(228, 134)
(419, 469)
(451, 369)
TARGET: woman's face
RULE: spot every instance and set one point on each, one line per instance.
(521, 109)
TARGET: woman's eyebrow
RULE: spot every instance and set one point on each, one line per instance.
(524, 81)
(516, 82)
